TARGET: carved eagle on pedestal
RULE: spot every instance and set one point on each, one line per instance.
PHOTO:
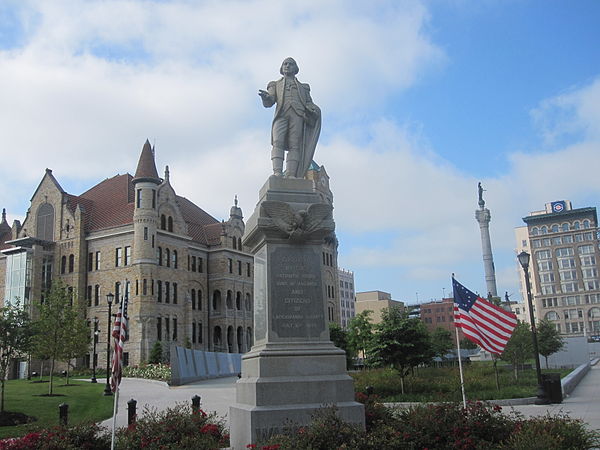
(297, 224)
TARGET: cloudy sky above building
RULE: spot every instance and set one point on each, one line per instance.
(420, 100)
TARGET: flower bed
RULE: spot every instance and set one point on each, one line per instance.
(158, 371)
(441, 426)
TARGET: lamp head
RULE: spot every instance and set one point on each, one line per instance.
(109, 298)
(523, 258)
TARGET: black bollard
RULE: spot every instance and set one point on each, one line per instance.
(63, 414)
(131, 415)
(195, 403)
(369, 390)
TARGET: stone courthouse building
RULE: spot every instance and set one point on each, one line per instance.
(188, 279)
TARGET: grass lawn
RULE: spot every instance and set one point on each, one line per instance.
(85, 400)
(443, 383)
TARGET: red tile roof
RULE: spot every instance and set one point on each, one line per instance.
(111, 204)
(108, 204)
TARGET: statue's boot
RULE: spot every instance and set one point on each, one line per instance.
(291, 165)
(277, 161)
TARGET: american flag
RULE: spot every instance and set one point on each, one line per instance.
(119, 335)
(487, 325)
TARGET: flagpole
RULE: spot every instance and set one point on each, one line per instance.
(460, 369)
(114, 423)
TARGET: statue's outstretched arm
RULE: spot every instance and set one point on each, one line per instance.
(268, 97)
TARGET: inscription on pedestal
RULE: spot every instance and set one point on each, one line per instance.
(296, 292)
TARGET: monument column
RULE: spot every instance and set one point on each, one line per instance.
(483, 216)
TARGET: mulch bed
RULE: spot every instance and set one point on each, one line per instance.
(9, 419)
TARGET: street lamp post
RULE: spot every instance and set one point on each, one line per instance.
(94, 359)
(109, 299)
(542, 397)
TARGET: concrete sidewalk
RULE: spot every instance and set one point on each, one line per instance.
(218, 394)
(583, 403)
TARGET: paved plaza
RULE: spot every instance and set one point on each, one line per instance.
(218, 394)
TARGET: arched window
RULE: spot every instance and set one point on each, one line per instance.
(565, 227)
(240, 340)
(230, 339)
(170, 220)
(160, 256)
(71, 263)
(551, 315)
(168, 257)
(576, 225)
(216, 302)
(229, 300)
(555, 228)
(586, 223)
(249, 341)
(240, 244)
(45, 222)
(594, 313)
(248, 303)
(217, 338)
(238, 300)
(534, 231)
(199, 332)
(199, 300)
(193, 298)
(63, 264)
(163, 222)
(544, 229)
(234, 243)
(175, 259)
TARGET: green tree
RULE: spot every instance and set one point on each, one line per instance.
(339, 337)
(441, 342)
(519, 348)
(549, 339)
(52, 329)
(400, 342)
(15, 339)
(77, 342)
(360, 333)
(156, 353)
(467, 344)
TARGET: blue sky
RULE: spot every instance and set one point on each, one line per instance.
(420, 99)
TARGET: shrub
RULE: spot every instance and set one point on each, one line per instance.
(439, 426)
(82, 436)
(174, 428)
(552, 433)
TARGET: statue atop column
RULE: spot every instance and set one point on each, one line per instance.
(296, 124)
(480, 191)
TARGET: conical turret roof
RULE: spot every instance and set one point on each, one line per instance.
(146, 168)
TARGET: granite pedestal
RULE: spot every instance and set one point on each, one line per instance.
(293, 369)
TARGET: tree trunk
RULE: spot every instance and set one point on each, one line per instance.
(496, 374)
(41, 370)
(546, 358)
(402, 384)
(516, 372)
(51, 376)
(2, 397)
(67, 373)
